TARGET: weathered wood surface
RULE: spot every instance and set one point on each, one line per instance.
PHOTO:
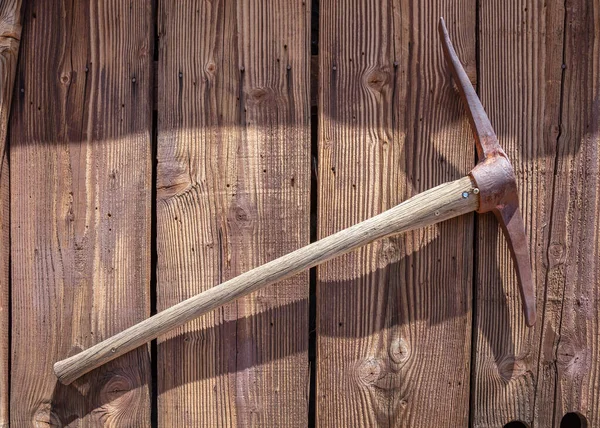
(574, 250)
(80, 209)
(10, 36)
(233, 183)
(547, 118)
(520, 79)
(394, 319)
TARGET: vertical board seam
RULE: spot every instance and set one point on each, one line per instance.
(474, 294)
(314, 219)
(554, 178)
(153, 226)
(6, 153)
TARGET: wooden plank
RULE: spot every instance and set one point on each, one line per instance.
(394, 318)
(574, 250)
(10, 36)
(233, 183)
(81, 209)
(520, 77)
(571, 327)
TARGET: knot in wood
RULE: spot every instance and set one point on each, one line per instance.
(241, 215)
(377, 79)
(262, 96)
(210, 68)
(368, 371)
(174, 176)
(555, 255)
(400, 350)
(45, 416)
(511, 367)
(390, 251)
(10, 32)
(143, 51)
(65, 78)
(118, 387)
(575, 359)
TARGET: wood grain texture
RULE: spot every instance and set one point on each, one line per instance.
(10, 36)
(516, 368)
(394, 318)
(80, 209)
(575, 229)
(233, 180)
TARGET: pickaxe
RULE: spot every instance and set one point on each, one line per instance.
(490, 186)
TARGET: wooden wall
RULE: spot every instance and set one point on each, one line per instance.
(158, 148)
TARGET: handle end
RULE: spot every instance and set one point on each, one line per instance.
(62, 372)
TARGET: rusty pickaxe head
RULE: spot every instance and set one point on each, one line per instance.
(495, 178)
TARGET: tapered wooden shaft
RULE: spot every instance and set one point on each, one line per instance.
(432, 206)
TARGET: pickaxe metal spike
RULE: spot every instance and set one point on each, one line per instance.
(490, 186)
(495, 178)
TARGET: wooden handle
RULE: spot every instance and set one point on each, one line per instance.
(432, 206)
